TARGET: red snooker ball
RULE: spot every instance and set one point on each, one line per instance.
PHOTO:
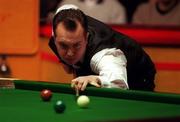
(46, 95)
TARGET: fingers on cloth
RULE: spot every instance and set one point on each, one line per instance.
(79, 84)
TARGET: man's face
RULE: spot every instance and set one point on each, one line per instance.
(71, 45)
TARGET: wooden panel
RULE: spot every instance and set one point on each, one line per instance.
(159, 54)
(168, 81)
(167, 77)
(19, 26)
(53, 72)
(25, 67)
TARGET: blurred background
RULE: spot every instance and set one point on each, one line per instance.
(25, 29)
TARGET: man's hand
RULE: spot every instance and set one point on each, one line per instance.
(80, 83)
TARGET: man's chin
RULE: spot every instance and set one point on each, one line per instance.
(71, 62)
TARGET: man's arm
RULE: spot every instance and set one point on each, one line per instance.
(110, 64)
(110, 67)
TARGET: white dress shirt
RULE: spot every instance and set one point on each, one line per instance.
(110, 64)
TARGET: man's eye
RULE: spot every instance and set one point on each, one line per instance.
(63, 46)
(77, 46)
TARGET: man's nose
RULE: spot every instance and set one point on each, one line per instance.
(70, 52)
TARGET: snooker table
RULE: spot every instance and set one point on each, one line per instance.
(23, 103)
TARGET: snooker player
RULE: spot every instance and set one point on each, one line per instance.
(98, 55)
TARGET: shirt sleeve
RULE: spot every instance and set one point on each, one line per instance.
(110, 64)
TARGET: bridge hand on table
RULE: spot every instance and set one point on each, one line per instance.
(80, 83)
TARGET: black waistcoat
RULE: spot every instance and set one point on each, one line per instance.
(140, 68)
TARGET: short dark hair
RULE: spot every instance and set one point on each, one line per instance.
(69, 18)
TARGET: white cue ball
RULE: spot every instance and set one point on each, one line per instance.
(83, 101)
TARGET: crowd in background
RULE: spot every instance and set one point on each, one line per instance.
(150, 12)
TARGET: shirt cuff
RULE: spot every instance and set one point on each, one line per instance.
(116, 83)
